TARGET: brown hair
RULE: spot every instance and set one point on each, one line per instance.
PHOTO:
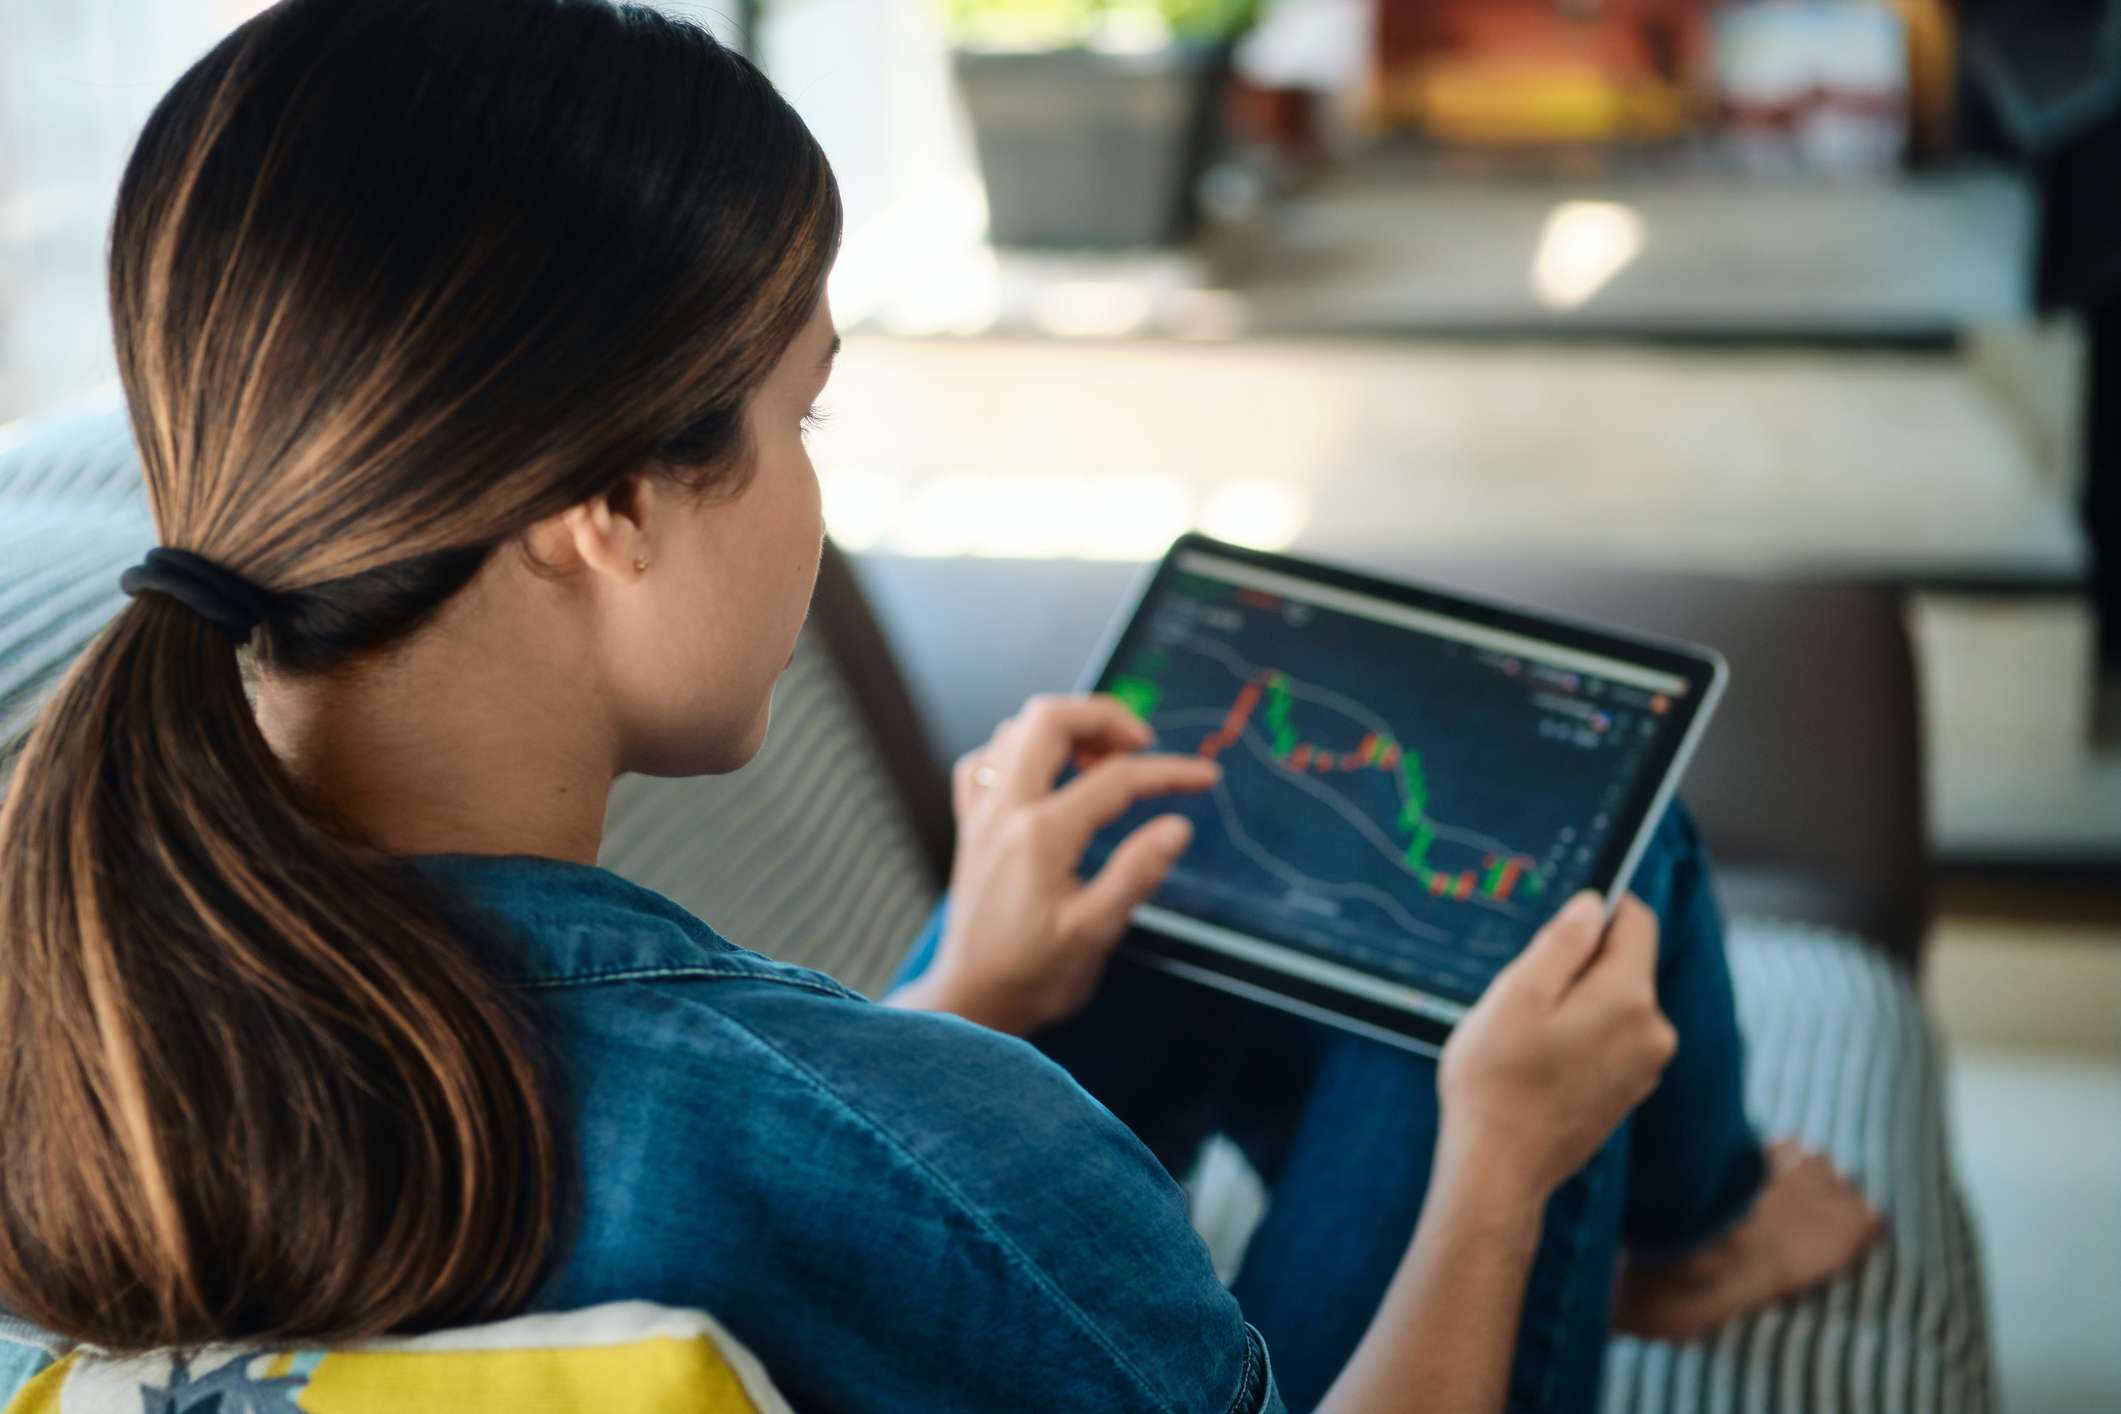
(391, 280)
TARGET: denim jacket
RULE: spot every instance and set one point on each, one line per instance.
(898, 1211)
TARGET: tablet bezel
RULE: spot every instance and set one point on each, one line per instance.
(1174, 941)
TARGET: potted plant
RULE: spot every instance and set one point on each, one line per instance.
(1093, 118)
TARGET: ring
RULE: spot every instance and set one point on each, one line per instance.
(984, 776)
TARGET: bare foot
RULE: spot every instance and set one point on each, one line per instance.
(1808, 1225)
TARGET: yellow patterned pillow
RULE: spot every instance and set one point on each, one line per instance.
(628, 1356)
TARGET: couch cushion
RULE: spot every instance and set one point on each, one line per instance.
(72, 519)
(1842, 1057)
(83, 460)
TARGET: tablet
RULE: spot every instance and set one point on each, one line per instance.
(1413, 782)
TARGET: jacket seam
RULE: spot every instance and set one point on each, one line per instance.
(1001, 1240)
(1258, 1375)
(682, 972)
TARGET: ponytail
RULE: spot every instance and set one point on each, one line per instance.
(257, 1083)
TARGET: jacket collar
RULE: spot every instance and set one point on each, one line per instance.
(540, 922)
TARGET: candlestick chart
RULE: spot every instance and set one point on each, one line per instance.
(1412, 805)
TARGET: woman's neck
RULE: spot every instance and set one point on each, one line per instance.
(481, 735)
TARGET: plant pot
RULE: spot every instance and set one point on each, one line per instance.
(1084, 149)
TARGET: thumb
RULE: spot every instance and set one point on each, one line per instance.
(1099, 913)
(1559, 952)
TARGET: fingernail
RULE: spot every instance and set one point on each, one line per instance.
(1585, 907)
(1173, 833)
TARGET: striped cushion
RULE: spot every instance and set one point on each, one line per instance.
(83, 461)
(72, 519)
(1842, 1056)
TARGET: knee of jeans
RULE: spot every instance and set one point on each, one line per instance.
(1675, 846)
(1670, 873)
(1678, 830)
(1652, 879)
(1674, 879)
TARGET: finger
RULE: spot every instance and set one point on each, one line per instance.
(1097, 916)
(1103, 793)
(964, 789)
(1051, 729)
(1081, 729)
(1087, 756)
(1627, 965)
(1559, 952)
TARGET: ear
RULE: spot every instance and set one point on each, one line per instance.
(607, 534)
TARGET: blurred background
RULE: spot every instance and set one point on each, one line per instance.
(1798, 289)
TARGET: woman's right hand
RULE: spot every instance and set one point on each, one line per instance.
(1565, 1042)
(1027, 938)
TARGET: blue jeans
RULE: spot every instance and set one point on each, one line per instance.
(1342, 1129)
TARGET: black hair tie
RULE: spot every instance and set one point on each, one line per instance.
(222, 597)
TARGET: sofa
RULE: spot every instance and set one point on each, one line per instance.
(832, 846)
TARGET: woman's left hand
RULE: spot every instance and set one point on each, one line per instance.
(1027, 939)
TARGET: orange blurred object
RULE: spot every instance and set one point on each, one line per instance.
(1933, 72)
(1516, 73)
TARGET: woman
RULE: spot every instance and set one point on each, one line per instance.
(467, 348)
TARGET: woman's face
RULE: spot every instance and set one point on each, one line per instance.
(727, 586)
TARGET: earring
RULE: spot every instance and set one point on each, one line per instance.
(640, 564)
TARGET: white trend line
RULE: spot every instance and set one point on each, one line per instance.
(1267, 859)
(1244, 672)
(1326, 697)
(1364, 825)
(1289, 873)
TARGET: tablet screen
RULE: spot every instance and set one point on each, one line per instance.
(1405, 793)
